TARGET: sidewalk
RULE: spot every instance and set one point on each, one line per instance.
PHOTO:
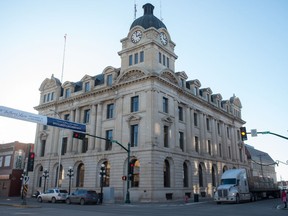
(18, 202)
(32, 202)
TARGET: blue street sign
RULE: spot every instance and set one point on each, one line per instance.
(66, 124)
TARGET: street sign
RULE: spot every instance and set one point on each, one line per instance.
(40, 119)
(26, 180)
(253, 132)
(66, 124)
(21, 115)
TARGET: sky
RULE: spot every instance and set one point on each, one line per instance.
(231, 46)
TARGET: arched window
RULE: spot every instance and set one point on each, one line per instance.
(213, 177)
(135, 170)
(185, 175)
(60, 176)
(106, 180)
(80, 175)
(200, 174)
(166, 173)
(40, 172)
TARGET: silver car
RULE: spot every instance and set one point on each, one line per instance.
(53, 195)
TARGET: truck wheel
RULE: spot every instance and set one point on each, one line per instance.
(237, 199)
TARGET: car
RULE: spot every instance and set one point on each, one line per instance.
(53, 195)
(83, 196)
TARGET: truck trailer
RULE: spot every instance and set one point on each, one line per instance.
(236, 186)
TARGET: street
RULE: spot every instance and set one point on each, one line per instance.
(259, 208)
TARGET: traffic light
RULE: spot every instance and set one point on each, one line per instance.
(30, 164)
(131, 171)
(78, 135)
(243, 133)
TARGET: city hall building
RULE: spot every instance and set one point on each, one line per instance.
(182, 136)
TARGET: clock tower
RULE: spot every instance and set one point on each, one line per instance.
(148, 45)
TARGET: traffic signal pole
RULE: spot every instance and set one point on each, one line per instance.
(79, 135)
(268, 132)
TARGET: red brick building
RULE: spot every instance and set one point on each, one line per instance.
(12, 164)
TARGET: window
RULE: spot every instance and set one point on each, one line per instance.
(142, 56)
(220, 150)
(7, 161)
(166, 173)
(43, 145)
(200, 174)
(64, 145)
(180, 113)
(166, 136)
(181, 140)
(165, 104)
(86, 116)
(136, 58)
(44, 99)
(134, 135)
(195, 119)
(80, 175)
(160, 58)
(130, 60)
(110, 108)
(67, 93)
(135, 104)
(229, 152)
(48, 97)
(84, 145)
(218, 128)
(209, 147)
(168, 62)
(164, 59)
(196, 144)
(213, 177)
(109, 80)
(87, 86)
(108, 144)
(135, 170)
(185, 175)
(228, 132)
(52, 96)
(208, 124)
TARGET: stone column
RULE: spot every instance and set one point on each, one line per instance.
(70, 138)
(91, 142)
(98, 126)
(76, 141)
(188, 136)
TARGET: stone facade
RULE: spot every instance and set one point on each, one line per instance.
(182, 136)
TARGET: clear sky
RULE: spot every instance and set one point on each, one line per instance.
(232, 46)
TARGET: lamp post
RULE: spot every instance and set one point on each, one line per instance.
(45, 176)
(59, 151)
(70, 174)
(102, 175)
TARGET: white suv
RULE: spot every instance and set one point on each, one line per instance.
(53, 195)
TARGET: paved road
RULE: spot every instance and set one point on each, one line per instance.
(271, 207)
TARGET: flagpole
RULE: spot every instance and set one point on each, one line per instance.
(63, 57)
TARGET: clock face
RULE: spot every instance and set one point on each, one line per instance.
(136, 36)
(163, 38)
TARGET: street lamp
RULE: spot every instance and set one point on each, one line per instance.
(70, 174)
(45, 176)
(102, 175)
(59, 150)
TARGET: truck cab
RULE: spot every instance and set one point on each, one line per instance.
(233, 188)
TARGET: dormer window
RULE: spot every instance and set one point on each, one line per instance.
(87, 86)
(109, 80)
(67, 93)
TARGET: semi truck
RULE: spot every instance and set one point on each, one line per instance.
(236, 186)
